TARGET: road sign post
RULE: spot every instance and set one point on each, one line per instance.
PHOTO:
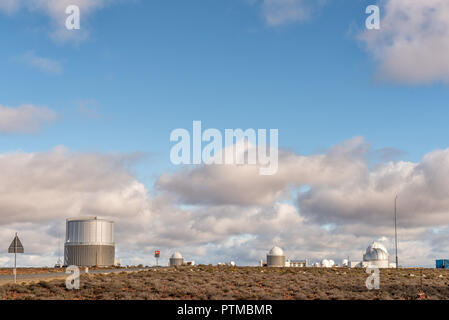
(157, 254)
(15, 247)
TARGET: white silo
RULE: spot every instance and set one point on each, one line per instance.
(276, 257)
(176, 259)
(376, 255)
(89, 242)
(345, 263)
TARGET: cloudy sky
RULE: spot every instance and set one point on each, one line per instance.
(86, 117)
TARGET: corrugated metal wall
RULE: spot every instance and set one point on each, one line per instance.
(275, 261)
(89, 255)
(176, 261)
(91, 231)
(89, 242)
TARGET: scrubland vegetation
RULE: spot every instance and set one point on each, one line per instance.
(229, 283)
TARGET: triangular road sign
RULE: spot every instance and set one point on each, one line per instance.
(16, 246)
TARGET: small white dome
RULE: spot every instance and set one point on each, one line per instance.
(327, 263)
(375, 252)
(276, 251)
(176, 255)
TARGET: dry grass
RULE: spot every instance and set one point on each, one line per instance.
(212, 283)
(8, 271)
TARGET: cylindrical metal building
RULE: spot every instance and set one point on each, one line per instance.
(89, 242)
(276, 258)
(176, 259)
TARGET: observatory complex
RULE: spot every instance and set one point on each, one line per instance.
(89, 242)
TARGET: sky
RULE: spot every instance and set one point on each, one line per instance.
(86, 117)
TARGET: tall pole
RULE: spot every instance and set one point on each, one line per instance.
(15, 259)
(15, 269)
(395, 230)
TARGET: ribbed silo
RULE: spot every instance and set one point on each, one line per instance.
(176, 259)
(276, 258)
(89, 242)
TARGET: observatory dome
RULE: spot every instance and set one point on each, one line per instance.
(327, 263)
(176, 255)
(176, 259)
(276, 251)
(375, 252)
(276, 257)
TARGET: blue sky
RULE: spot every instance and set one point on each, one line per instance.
(148, 67)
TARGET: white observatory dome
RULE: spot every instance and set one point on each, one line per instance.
(375, 252)
(176, 255)
(276, 251)
(326, 263)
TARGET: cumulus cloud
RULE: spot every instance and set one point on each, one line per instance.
(40, 190)
(328, 205)
(25, 118)
(55, 10)
(38, 187)
(342, 186)
(412, 45)
(340, 196)
(242, 185)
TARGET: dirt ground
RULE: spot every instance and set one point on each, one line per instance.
(247, 283)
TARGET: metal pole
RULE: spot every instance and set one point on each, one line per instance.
(15, 267)
(395, 230)
(15, 259)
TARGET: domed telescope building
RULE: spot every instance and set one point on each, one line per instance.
(276, 257)
(176, 259)
(376, 255)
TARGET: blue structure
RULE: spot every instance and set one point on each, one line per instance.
(442, 264)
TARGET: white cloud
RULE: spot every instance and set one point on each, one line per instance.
(412, 45)
(25, 118)
(342, 186)
(233, 213)
(43, 64)
(343, 190)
